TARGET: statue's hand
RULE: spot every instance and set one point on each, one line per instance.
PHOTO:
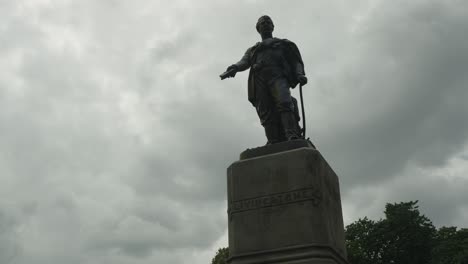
(233, 68)
(230, 72)
(302, 79)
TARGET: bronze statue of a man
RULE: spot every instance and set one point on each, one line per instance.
(275, 67)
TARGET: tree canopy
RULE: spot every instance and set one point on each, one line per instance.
(221, 256)
(405, 236)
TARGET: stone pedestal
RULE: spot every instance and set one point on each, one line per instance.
(284, 207)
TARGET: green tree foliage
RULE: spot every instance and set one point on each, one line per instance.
(364, 242)
(405, 236)
(221, 256)
(451, 246)
(409, 235)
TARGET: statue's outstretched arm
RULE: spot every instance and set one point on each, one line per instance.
(241, 65)
(244, 63)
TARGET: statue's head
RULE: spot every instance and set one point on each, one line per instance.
(265, 25)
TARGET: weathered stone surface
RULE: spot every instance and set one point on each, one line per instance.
(285, 208)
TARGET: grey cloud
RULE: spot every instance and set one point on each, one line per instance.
(10, 245)
(441, 194)
(117, 132)
(419, 115)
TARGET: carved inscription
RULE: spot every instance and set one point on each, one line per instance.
(295, 196)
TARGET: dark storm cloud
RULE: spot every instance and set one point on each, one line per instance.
(407, 93)
(117, 132)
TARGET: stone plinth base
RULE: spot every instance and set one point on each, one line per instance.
(284, 207)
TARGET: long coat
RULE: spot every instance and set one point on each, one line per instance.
(292, 67)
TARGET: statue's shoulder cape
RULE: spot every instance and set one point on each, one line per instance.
(294, 55)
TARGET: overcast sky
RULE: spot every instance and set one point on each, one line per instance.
(116, 131)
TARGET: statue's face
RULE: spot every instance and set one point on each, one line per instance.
(265, 25)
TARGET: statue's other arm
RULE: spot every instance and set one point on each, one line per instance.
(298, 65)
(300, 69)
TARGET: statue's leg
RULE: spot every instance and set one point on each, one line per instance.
(273, 133)
(284, 105)
(269, 117)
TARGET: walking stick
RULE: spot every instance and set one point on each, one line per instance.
(303, 113)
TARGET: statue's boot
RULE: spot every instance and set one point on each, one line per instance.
(273, 133)
(290, 126)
